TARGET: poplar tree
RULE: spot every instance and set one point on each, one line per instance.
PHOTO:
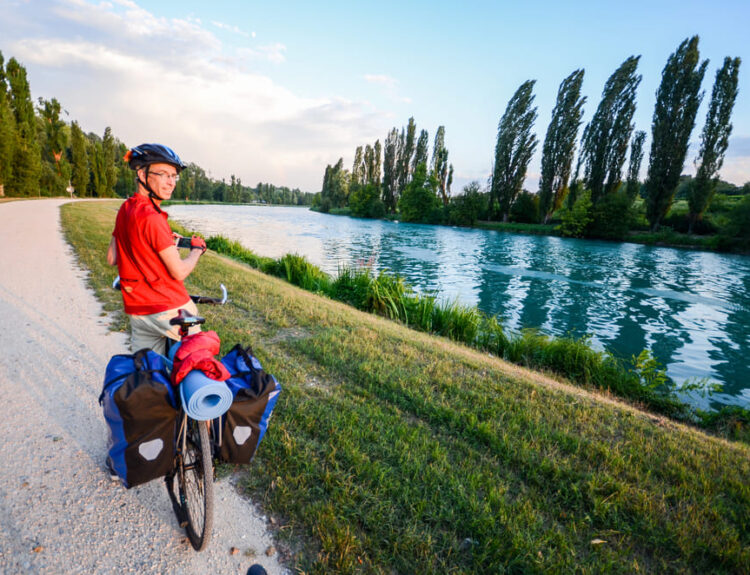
(440, 165)
(79, 160)
(390, 171)
(560, 144)
(636, 158)
(358, 167)
(56, 169)
(715, 139)
(108, 156)
(373, 168)
(513, 151)
(606, 138)
(421, 152)
(7, 131)
(406, 152)
(677, 102)
(27, 161)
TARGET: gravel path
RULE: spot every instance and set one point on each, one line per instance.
(59, 511)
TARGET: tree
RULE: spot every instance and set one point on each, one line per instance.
(55, 169)
(513, 151)
(419, 199)
(560, 145)
(466, 207)
(405, 154)
(636, 158)
(420, 154)
(373, 166)
(440, 165)
(677, 102)
(27, 162)
(576, 218)
(79, 160)
(358, 168)
(606, 137)
(715, 139)
(108, 157)
(390, 174)
(7, 132)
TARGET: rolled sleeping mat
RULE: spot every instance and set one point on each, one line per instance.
(204, 398)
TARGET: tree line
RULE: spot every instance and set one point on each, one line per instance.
(598, 197)
(42, 155)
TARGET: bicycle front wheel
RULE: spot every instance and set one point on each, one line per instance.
(196, 479)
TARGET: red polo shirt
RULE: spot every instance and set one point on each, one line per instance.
(141, 233)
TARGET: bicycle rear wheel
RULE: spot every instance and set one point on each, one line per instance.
(196, 481)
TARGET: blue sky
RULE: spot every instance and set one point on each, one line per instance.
(274, 91)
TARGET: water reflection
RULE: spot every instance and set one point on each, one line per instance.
(691, 309)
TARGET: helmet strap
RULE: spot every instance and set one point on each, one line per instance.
(151, 193)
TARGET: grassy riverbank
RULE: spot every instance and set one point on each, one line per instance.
(394, 451)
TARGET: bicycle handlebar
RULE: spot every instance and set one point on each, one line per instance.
(196, 298)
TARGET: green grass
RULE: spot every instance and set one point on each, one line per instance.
(395, 451)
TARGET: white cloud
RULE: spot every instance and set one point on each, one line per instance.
(230, 28)
(172, 81)
(389, 85)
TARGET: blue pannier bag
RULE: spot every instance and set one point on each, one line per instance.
(140, 407)
(255, 392)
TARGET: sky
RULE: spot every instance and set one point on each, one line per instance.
(274, 91)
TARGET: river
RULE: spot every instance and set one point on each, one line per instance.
(690, 308)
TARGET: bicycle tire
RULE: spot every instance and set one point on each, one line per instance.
(196, 483)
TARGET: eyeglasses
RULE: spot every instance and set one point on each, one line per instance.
(165, 176)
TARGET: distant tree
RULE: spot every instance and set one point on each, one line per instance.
(55, 167)
(358, 168)
(606, 137)
(513, 151)
(79, 160)
(373, 166)
(419, 199)
(421, 151)
(677, 102)
(98, 170)
(715, 139)
(336, 185)
(7, 131)
(390, 171)
(27, 161)
(405, 154)
(365, 202)
(465, 208)
(560, 145)
(440, 169)
(636, 158)
(108, 157)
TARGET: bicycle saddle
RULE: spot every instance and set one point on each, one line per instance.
(186, 319)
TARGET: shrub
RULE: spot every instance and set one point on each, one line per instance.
(526, 208)
(611, 217)
(419, 199)
(365, 202)
(576, 219)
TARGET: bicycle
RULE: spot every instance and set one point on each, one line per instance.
(193, 469)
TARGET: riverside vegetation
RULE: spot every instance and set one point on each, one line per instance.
(396, 451)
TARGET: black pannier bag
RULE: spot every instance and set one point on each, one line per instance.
(241, 429)
(140, 407)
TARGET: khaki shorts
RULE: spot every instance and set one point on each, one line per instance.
(153, 330)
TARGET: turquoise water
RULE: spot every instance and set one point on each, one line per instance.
(690, 308)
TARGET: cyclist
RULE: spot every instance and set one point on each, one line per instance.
(143, 248)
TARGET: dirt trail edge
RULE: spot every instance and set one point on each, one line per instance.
(59, 511)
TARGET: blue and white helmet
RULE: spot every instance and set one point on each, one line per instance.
(147, 154)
